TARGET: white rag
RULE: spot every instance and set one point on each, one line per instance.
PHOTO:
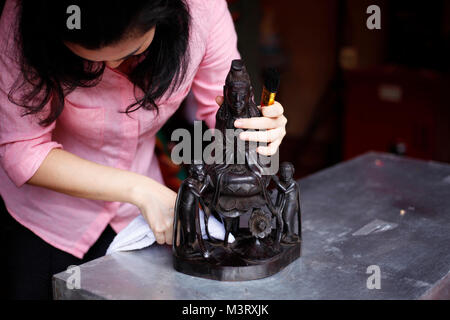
(138, 235)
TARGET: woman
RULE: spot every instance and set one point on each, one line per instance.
(79, 110)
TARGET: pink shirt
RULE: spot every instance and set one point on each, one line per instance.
(92, 128)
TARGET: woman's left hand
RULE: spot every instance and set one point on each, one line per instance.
(273, 122)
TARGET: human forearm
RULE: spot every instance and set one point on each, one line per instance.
(67, 173)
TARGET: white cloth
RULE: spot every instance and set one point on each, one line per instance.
(138, 235)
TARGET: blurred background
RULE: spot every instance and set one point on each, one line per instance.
(347, 89)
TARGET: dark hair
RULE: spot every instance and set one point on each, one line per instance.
(49, 70)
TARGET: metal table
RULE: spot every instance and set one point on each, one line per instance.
(376, 209)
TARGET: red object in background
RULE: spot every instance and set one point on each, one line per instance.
(169, 170)
(397, 110)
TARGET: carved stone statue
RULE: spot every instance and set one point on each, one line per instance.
(288, 203)
(232, 191)
(187, 239)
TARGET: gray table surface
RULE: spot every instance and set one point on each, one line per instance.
(376, 209)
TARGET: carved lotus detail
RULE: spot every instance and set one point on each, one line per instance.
(260, 224)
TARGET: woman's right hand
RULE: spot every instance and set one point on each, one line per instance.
(156, 203)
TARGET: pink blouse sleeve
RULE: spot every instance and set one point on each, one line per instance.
(221, 49)
(24, 144)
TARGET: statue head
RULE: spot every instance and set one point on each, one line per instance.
(286, 171)
(197, 171)
(237, 90)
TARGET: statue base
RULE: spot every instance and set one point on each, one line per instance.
(240, 260)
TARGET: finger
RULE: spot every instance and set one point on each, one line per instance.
(271, 149)
(169, 232)
(273, 111)
(169, 236)
(263, 136)
(260, 123)
(219, 100)
(170, 214)
(160, 238)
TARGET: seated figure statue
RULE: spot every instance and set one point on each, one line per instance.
(237, 186)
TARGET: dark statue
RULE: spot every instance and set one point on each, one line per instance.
(288, 202)
(235, 188)
(187, 205)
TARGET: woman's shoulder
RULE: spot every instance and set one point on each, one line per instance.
(8, 31)
(8, 17)
(205, 12)
(202, 20)
(9, 57)
(202, 5)
(205, 15)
